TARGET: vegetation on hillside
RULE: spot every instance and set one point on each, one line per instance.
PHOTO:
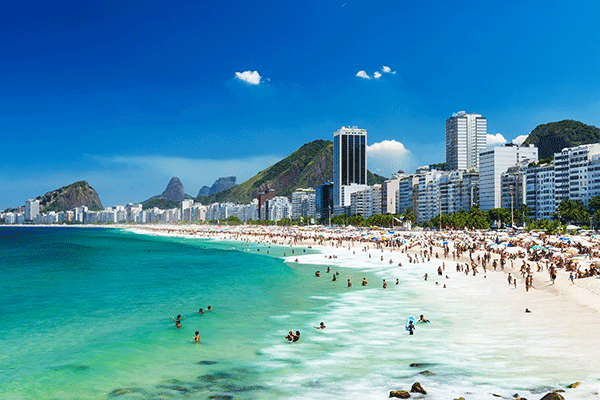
(373, 178)
(163, 204)
(68, 197)
(553, 137)
(309, 166)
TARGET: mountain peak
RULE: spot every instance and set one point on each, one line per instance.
(174, 190)
(552, 137)
(68, 197)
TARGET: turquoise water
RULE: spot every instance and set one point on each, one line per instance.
(86, 314)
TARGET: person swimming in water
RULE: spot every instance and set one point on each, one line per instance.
(177, 321)
(364, 282)
(334, 278)
(208, 308)
(422, 319)
(321, 326)
(197, 337)
(290, 336)
(296, 337)
(349, 283)
(201, 311)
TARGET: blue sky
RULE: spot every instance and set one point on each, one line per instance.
(127, 95)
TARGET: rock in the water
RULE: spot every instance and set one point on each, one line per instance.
(207, 362)
(120, 392)
(417, 388)
(573, 385)
(460, 398)
(553, 396)
(400, 394)
(426, 373)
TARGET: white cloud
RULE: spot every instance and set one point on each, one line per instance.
(388, 157)
(388, 70)
(519, 139)
(376, 75)
(363, 74)
(494, 140)
(250, 77)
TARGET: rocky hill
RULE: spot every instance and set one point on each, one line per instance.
(170, 198)
(309, 166)
(174, 190)
(553, 137)
(223, 183)
(78, 194)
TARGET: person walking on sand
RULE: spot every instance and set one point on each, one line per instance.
(509, 279)
(572, 278)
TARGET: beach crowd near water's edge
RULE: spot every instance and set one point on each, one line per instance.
(541, 271)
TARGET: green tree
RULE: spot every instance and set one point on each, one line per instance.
(409, 215)
(338, 220)
(356, 220)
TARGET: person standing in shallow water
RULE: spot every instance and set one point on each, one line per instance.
(384, 284)
(411, 328)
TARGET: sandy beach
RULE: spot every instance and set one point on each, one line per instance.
(561, 311)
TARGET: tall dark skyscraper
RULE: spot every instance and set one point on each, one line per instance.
(349, 161)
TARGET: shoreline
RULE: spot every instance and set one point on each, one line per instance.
(563, 320)
(566, 310)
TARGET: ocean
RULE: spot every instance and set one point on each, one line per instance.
(87, 313)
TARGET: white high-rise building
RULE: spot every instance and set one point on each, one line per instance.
(32, 209)
(349, 162)
(303, 203)
(465, 139)
(493, 161)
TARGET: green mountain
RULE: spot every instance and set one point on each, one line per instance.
(553, 137)
(309, 166)
(77, 194)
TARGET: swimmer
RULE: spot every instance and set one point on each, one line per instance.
(425, 276)
(208, 308)
(321, 326)
(422, 319)
(201, 311)
(197, 337)
(397, 281)
(296, 337)
(334, 278)
(177, 322)
(290, 336)
(349, 283)
(527, 310)
(384, 284)
(364, 282)
(318, 274)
